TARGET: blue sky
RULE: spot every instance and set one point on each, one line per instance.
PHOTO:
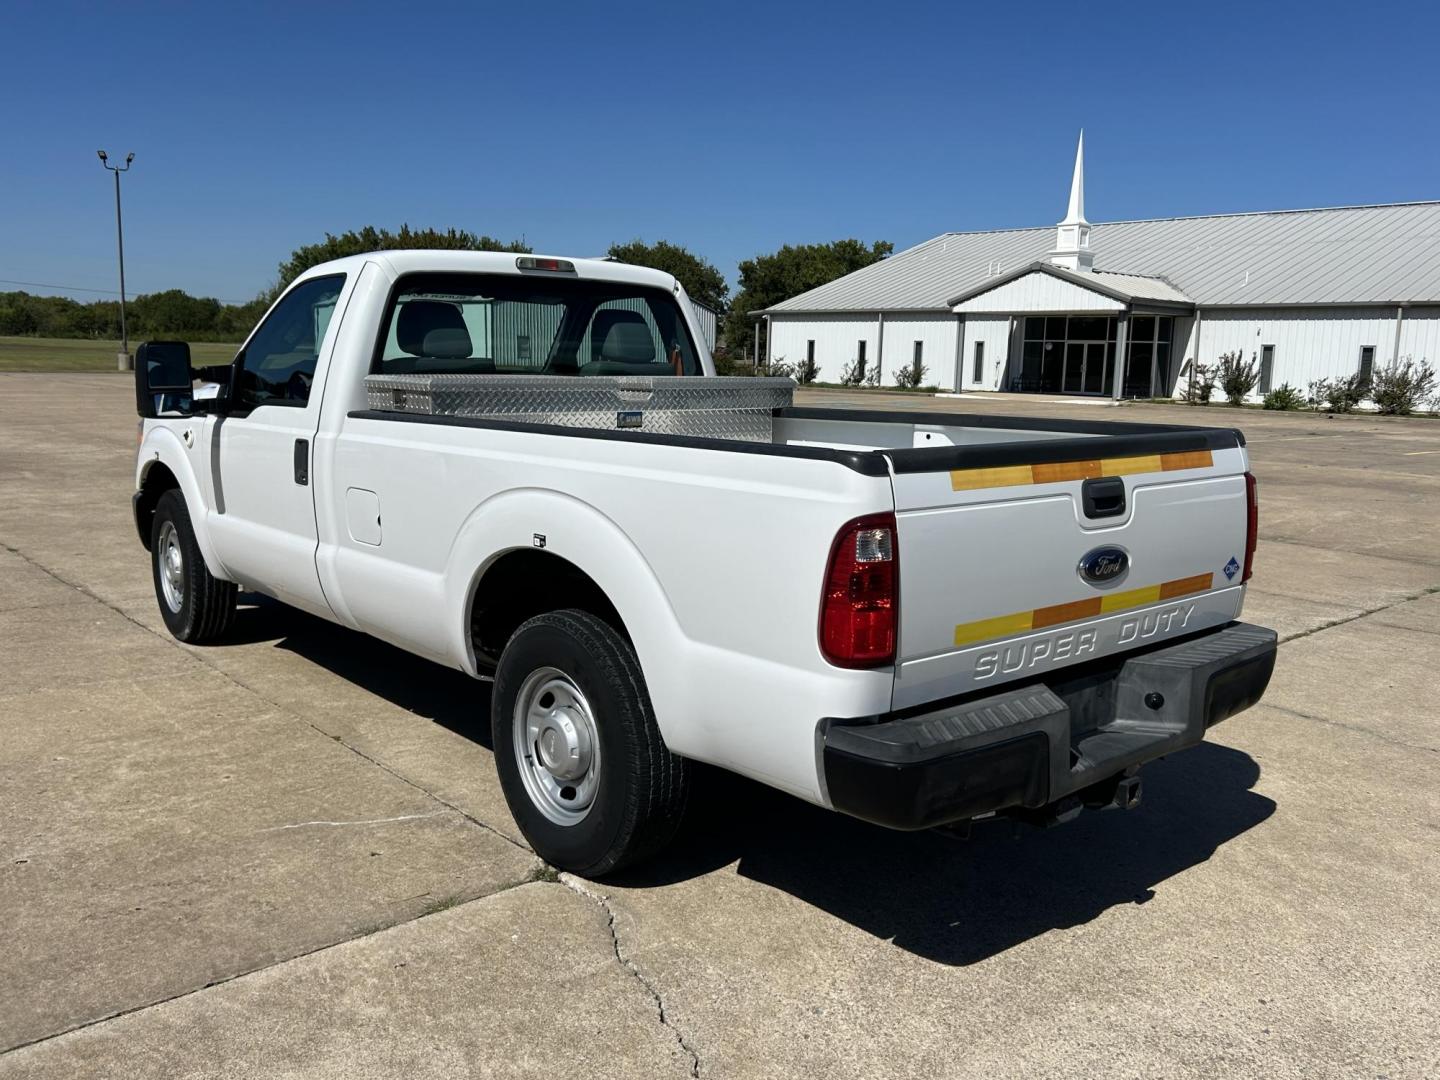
(731, 129)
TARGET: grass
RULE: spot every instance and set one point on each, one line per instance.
(437, 904)
(82, 354)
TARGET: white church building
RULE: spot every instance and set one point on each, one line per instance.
(1121, 309)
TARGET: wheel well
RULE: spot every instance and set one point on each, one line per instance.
(158, 480)
(522, 584)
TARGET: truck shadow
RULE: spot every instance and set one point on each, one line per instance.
(960, 901)
(949, 900)
(450, 698)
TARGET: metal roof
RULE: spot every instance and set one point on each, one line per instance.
(1344, 255)
(1127, 287)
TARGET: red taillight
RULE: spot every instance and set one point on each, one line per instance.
(860, 609)
(1252, 524)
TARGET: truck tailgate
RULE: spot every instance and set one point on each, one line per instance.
(1020, 558)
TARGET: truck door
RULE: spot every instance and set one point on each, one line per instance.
(263, 522)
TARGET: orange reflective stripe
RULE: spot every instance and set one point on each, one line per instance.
(1063, 613)
(1186, 586)
(1059, 472)
(1190, 459)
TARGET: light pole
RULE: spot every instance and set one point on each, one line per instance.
(123, 360)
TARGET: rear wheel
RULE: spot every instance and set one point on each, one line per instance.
(197, 606)
(581, 760)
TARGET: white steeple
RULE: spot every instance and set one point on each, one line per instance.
(1072, 236)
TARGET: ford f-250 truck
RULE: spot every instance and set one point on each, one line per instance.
(524, 468)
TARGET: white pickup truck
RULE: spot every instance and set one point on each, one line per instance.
(524, 468)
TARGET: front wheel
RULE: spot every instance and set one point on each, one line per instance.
(581, 760)
(197, 606)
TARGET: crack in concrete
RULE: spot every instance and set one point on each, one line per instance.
(1352, 618)
(1351, 728)
(578, 886)
(397, 775)
(364, 821)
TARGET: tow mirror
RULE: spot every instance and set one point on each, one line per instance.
(163, 378)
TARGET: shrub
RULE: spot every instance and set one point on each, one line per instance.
(911, 375)
(1401, 388)
(1201, 384)
(780, 369)
(872, 377)
(1285, 398)
(1237, 376)
(806, 370)
(1338, 395)
(853, 373)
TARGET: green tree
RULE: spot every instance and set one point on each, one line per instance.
(705, 284)
(173, 311)
(372, 239)
(767, 279)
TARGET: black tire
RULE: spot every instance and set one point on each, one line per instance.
(206, 605)
(641, 787)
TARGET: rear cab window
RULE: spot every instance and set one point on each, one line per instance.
(487, 324)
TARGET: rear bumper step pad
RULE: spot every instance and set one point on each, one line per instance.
(1035, 744)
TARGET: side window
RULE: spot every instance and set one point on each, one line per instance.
(279, 361)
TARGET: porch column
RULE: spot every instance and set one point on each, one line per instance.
(1122, 325)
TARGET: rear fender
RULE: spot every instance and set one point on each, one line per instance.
(577, 532)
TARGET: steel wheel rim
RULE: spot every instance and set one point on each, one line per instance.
(557, 746)
(170, 561)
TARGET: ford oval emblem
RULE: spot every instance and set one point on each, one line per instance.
(1105, 566)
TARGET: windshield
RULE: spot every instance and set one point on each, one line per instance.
(540, 324)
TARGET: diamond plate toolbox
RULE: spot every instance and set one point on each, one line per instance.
(699, 407)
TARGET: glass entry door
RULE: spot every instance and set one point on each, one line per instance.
(1084, 367)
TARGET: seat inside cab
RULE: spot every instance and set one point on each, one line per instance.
(622, 343)
(433, 335)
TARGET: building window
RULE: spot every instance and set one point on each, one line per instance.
(919, 353)
(1367, 362)
(1147, 365)
(860, 358)
(1267, 367)
(809, 352)
(979, 362)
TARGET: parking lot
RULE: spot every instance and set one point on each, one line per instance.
(289, 854)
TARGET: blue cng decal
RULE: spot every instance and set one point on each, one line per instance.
(1231, 569)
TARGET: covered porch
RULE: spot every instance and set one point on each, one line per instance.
(1080, 331)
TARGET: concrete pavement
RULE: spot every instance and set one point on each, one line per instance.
(288, 855)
